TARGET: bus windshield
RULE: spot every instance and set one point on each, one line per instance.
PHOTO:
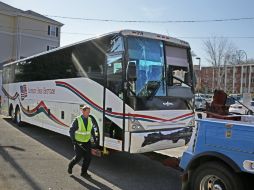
(148, 55)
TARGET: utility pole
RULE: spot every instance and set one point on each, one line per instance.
(199, 78)
(242, 67)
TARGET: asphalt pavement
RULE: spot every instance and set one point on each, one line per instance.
(37, 159)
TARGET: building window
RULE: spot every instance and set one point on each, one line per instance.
(53, 31)
(57, 31)
(50, 47)
(48, 30)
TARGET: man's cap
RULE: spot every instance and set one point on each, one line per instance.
(85, 107)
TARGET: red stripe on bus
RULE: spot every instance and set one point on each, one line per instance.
(121, 114)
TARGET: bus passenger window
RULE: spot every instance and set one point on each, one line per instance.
(114, 74)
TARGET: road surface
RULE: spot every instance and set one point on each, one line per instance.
(35, 158)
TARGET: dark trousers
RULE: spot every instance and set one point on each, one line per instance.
(82, 150)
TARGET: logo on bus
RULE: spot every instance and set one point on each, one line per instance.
(167, 103)
(23, 91)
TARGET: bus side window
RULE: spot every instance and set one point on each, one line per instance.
(116, 44)
(114, 74)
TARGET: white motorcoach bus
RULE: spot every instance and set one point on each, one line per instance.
(139, 86)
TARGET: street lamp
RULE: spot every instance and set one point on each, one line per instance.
(199, 78)
(199, 62)
(240, 52)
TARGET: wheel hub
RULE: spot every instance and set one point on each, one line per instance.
(18, 117)
(217, 187)
(212, 182)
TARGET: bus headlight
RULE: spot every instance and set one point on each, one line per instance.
(134, 125)
(192, 122)
(137, 127)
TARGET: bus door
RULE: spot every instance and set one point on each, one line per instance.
(7, 94)
(113, 110)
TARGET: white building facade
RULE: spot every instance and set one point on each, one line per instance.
(25, 33)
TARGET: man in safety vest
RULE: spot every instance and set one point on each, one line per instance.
(81, 132)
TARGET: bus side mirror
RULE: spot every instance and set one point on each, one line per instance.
(131, 71)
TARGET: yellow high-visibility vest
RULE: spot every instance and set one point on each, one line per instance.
(83, 135)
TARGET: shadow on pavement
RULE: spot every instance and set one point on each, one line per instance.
(123, 170)
(6, 156)
(13, 147)
(90, 187)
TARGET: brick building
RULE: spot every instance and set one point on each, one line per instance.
(237, 78)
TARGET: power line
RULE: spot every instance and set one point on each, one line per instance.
(180, 37)
(76, 33)
(153, 21)
(206, 37)
(143, 21)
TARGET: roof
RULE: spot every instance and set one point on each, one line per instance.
(30, 12)
(155, 36)
(123, 32)
(7, 9)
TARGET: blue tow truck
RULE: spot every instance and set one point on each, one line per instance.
(220, 155)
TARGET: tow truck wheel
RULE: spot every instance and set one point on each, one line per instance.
(215, 176)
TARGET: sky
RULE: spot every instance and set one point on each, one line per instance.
(77, 30)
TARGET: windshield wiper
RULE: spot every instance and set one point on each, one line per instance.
(158, 86)
(150, 89)
(180, 80)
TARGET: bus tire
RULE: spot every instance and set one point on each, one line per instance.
(11, 113)
(215, 175)
(18, 117)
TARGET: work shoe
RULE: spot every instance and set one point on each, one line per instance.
(69, 170)
(86, 175)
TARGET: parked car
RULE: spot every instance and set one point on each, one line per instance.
(230, 101)
(209, 98)
(206, 97)
(200, 103)
(236, 96)
(238, 108)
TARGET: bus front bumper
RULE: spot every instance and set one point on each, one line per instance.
(149, 141)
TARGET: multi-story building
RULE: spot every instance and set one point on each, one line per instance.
(25, 33)
(232, 79)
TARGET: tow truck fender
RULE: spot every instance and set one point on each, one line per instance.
(212, 156)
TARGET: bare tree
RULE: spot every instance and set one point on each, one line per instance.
(220, 52)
